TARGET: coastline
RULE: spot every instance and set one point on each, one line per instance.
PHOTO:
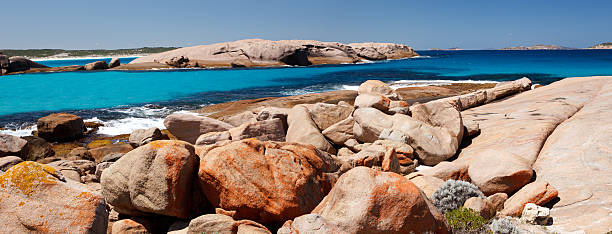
(87, 57)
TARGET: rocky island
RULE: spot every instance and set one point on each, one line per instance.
(538, 47)
(605, 45)
(509, 157)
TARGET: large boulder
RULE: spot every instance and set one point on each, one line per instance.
(440, 114)
(36, 148)
(325, 115)
(368, 201)
(219, 223)
(60, 127)
(98, 65)
(11, 145)
(499, 172)
(538, 192)
(155, 178)
(303, 130)
(266, 182)
(188, 127)
(267, 130)
(144, 136)
(37, 198)
(18, 63)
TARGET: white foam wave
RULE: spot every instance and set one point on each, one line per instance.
(128, 125)
(25, 131)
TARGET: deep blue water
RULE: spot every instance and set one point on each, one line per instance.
(117, 94)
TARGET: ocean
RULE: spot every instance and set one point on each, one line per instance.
(129, 100)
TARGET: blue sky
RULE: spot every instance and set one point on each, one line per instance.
(420, 24)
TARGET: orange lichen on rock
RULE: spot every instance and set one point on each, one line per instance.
(27, 176)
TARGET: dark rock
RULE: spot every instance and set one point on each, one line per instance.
(98, 65)
(22, 64)
(36, 148)
(61, 127)
(114, 63)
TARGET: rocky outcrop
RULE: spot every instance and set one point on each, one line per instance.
(17, 64)
(4, 64)
(60, 127)
(11, 145)
(188, 127)
(258, 52)
(37, 198)
(155, 178)
(98, 65)
(605, 45)
(114, 63)
(368, 201)
(266, 182)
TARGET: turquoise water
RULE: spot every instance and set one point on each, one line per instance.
(108, 94)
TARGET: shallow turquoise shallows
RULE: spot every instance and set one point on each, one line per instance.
(27, 97)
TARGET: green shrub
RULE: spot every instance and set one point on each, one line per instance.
(464, 220)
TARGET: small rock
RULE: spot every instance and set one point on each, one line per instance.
(377, 87)
(481, 206)
(81, 153)
(112, 157)
(538, 192)
(390, 162)
(36, 149)
(99, 153)
(374, 101)
(189, 127)
(213, 137)
(428, 184)
(497, 200)
(7, 162)
(325, 115)
(144, 136)
(11, 145)
(101, 167)
(218, 223)
(535, 214)
(303, 130)
(341, 131)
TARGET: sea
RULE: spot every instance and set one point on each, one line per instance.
(129, 100)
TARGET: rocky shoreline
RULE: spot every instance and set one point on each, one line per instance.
(376, 160)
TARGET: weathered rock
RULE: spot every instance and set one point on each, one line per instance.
(499, 172)
(456, 170)
(369, 123)
(188, 127)
(377, 87)
(498, 200)
(267, 130)
(538, 192)
(80, 153)
(213, 137)
(390, 162)
(374, 101)
(144, 136)
(303, 130)
(100, 168)
(345, 152)
(154, 178)
(218, 223)
(367, 201)
(369, 156)
(11, 145)
(7, 162)
(36, 148)
(274, 113)
(340, 132)
(535, 214)
(114, 63)
(99, 153)
(98, 65)
(481, 206)
(265, 182)
(60, 127)
(325, 115)
(382, 51)
(112, 157)
(440, 114)
(125, 226)
(471, 128)
(310, 223)
(39, 199)
(81, 166)
(428, 184)
(18, 63)
(240, 118)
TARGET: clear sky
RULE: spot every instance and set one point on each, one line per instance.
(477, 24)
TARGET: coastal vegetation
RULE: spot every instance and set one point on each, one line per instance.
(605, 45)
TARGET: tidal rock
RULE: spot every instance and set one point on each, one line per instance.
(18, 63)
(144, 136)
(98, 65)
(154, 178)
(267, 130)
(364, 200)
(39, 199)
(36, 148)
(60, 127)
(375, 101)
(481, 206)
(189, 127)
(377, 87)
(99, 153)
(340, 132)
(218, 223)
(213, 137)
(7, 162)
(538, 192)
(114, 63)
(535, 214)
(11, 145)
(266, 182)
(303, 130)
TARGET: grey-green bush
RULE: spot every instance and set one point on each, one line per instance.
(504, 226)
(453, 193)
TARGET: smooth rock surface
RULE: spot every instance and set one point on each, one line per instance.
(538, 192)
(60, 127)
(340, 132)
(266, 130)
(11, 145)
(188, 127)
(7, 162)
(218, 223)
(303, 130)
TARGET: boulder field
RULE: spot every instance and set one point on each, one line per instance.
(370, 163)
(265, 53)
